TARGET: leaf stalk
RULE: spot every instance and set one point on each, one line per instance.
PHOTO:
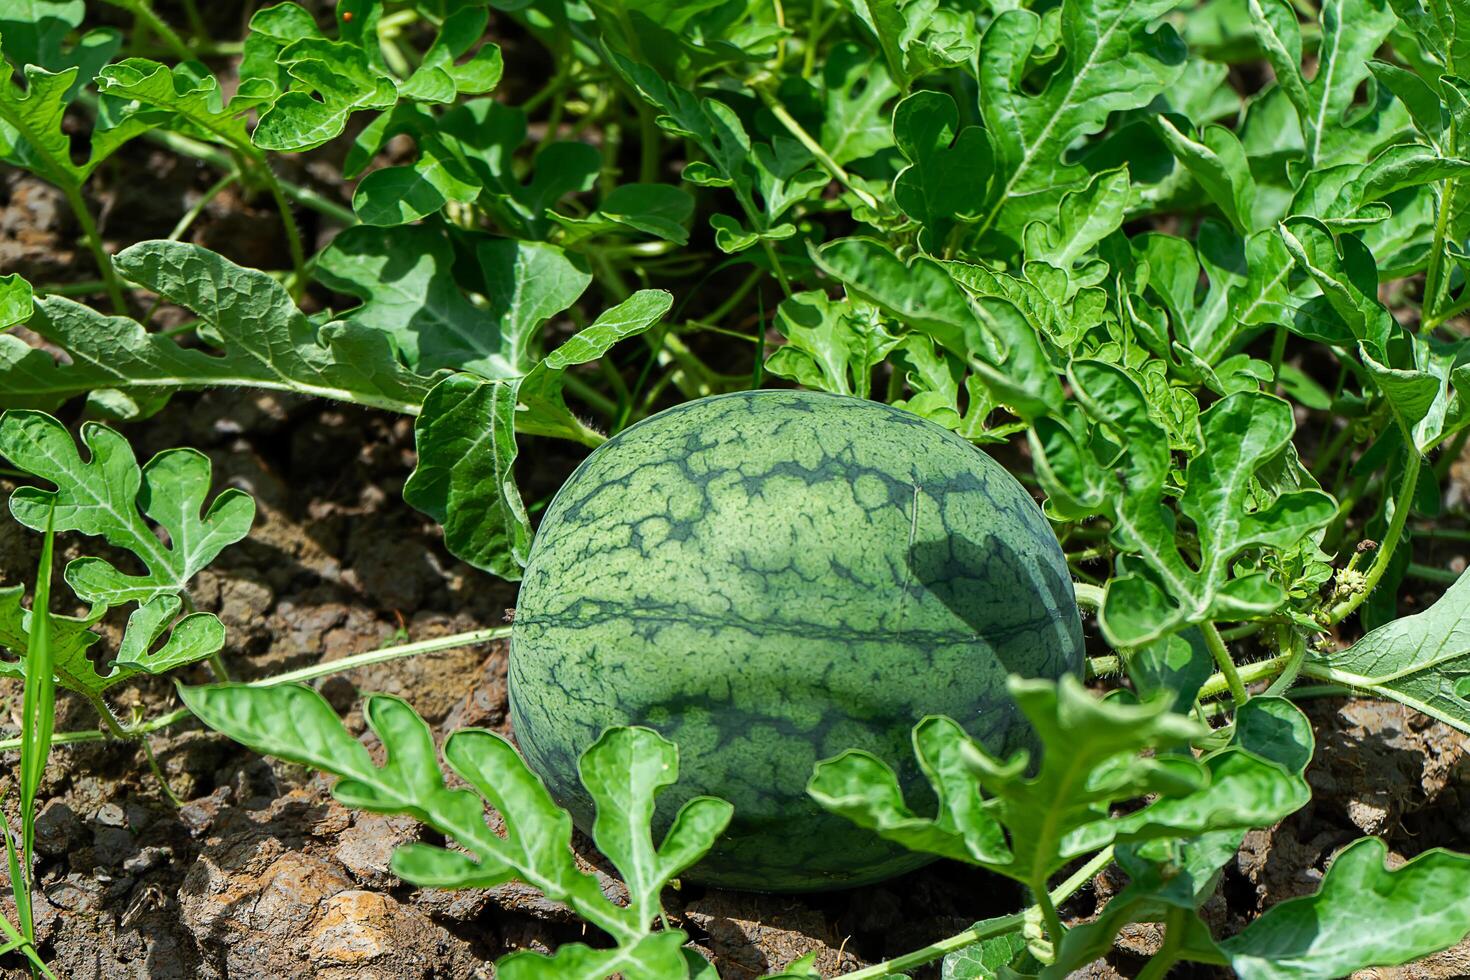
(1403, 503)
(988, 929)
(1221, 653)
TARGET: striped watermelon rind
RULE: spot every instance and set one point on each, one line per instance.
(768, 578)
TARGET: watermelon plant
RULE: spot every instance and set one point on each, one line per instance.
(1193, 275)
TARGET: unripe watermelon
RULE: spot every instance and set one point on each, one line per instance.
(771, 577)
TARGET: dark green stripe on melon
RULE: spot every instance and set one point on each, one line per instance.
(768, 578)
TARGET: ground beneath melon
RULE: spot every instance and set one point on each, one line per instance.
(259, 874)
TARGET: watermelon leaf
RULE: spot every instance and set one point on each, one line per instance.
(1157, 591)
(1170, 879)
(331, 81)
(109, 496)
(1352, 30)
(1421, 660)
(948, 177)
(140, 95)
(466, 450)
(1425, 387)
(830, 345)
(1000, 815)
(624, 771)
(991, 334)
(466, 440)
(650, 209)
(265, 341)
(404, 277)
(1364, 915)
(16, 301)
(1115, 59)
(656, 956)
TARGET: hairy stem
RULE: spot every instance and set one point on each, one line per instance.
(1435, 278)
(1278, 350)
(1403, 503)
(1428, 573)
(988, 929)
(143, 10)
(770, 251)
(1226, 664)
(1049, 915)
(218, 157)
(1088, 596)
(1249, 674)
(288, 221)
(649, 151)
(813, 147)
(1293, 647)
(93, 242)
(396, 652)
(192, 215)
(217, 664)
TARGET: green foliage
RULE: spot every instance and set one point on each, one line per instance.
(466, 439)
(16, 301)
(263, 341)
(102, 497)
(405, 278)
(1421, 660)
(624, 771)
(109, 496)
(1026, 821)
(1364, 914)
(1160, 591)
(1227, 322)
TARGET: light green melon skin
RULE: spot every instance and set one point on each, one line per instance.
(769, 578)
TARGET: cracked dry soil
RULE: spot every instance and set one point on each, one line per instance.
(260, 874)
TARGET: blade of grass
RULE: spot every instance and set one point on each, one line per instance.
(20, 889)
(17, 941)
(38, 714)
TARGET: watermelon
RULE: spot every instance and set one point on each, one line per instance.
(768, 578)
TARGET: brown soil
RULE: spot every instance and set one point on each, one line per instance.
(259, 874)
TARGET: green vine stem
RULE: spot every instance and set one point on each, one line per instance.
(988, 929)
(288, 223)
(812, 146)
(143, 10)
(1216, 684)
(217, 157)
(399, 651)
(93, 241)
(1403, 503)
(1225, 662)
(1428, 573)
(1293, 647)
(1435, 279)
(1088, 596)
(192, 215)
(1049, 915)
